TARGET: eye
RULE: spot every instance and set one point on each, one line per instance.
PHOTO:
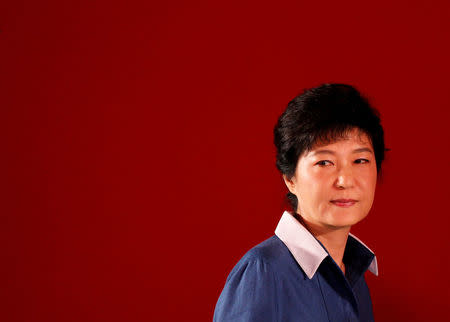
(361, 161)
(324, 163)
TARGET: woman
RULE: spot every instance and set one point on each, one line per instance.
(330, 147)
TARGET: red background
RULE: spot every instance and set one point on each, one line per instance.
(138, 164)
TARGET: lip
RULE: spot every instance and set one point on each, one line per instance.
(344, 203)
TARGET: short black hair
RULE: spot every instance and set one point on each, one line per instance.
(324, 114)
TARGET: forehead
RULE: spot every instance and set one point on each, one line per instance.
(353, 138)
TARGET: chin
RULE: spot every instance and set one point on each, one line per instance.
(345, 219)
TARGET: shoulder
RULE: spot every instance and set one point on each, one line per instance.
(269, 253)
(250, 290)
(263, 264)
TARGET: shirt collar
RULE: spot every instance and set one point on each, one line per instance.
(307, 250)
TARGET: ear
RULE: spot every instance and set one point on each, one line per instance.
(290, 183)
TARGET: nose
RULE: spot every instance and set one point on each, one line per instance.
(344, 179)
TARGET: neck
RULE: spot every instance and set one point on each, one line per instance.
(333, 239)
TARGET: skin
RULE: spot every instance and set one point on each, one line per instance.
(328, 173)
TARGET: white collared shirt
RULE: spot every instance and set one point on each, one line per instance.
(305, 248)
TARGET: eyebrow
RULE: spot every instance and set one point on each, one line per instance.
(332, 152)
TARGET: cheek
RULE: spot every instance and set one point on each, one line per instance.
(369, 185)
(312, 191)
(373, 180)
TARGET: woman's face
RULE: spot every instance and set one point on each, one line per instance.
(335, 183)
